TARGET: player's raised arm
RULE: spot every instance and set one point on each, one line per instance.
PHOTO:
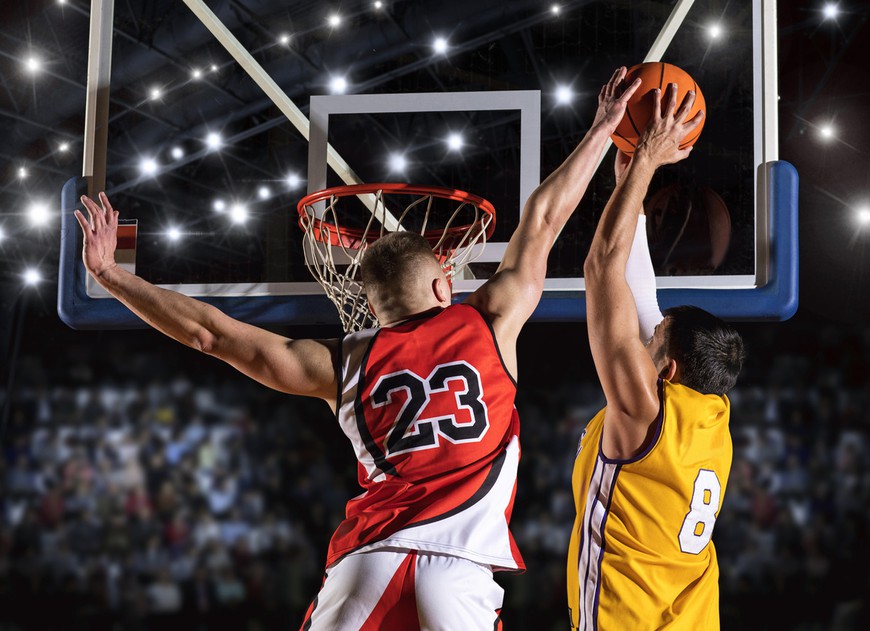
(627, 372)
(304, 367)
(513, 292)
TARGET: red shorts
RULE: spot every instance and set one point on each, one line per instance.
(388, 590)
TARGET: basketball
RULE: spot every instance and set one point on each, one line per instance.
(655, 74)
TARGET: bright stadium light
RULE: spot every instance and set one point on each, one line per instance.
(148, 166)
(862, 214)
(177, 153)
(2, 234)
(33, 65)
(63, 147)
(564, 94)
(22, 173)
(238, 213)
(284, 39)
(293, 180)
(173, 233)
(31, 276)
(830, 11)
(155, 93)
(378, 4)
(219, 205)
(38, 213)
(334, 20)
(398, 162)
(338, 85)
(439, 45)
(827, 131)
(555, 9)
(454, 141)
(264, 192)
(714, 31)
(195, 74)
(213, 140)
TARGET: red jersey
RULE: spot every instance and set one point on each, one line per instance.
(429, 407)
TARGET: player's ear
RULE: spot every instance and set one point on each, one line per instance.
(441, 289)
(669, 371)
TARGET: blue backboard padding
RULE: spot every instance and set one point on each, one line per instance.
(777, 300)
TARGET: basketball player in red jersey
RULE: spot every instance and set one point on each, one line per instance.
(427, 399)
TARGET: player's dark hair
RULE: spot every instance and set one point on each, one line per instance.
(708, 350)
(388, 263)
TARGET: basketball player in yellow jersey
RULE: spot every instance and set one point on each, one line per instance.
(652, 466)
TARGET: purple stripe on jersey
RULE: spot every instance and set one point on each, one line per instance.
(611, 488)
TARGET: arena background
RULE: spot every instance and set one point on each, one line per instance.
(131, 466)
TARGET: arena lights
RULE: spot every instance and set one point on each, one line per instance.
(862, 214)
(379, 5)
(564, 94)
(31, 276)
(454, 141)
(398, 162)
(33, 65)
(827, 131)
(22, 173)
(338, 85)
(213, 67)
(155, 93)
(2, 234)
(264, 192)
(284, 39)
(63, 147)
(293, 181)
(714, 31)
(439, 45)
(238, 213)
(213, 140)
(830, 11)
(173, 234)
(555, 9)
(38, 214)
(177, 153)
(148, 166)
(334, 20)
(219, 205)
(196, 74)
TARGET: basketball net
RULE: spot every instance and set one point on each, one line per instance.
(334, 247)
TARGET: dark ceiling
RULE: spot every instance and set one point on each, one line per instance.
(494, 45)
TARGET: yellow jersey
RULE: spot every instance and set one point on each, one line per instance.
(641, 554)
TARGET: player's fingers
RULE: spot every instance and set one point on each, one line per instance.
(685, 106)
(670, 99)
(693, 122)
(94, 212)
(612, 87)
(657, 106)
(107, 206)
(80, 217)
(631, 89)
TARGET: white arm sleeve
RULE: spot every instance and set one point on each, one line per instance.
(641, 279)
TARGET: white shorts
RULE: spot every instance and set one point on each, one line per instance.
(405, 590)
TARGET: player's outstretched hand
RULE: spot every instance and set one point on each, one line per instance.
(660, 141)
(612, 100)
(100, 234)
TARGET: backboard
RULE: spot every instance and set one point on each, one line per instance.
(491, 110)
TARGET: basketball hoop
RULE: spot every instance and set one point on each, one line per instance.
(455, 223)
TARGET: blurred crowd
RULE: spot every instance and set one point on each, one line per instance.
(155, 494)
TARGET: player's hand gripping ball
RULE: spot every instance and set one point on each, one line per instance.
(655, 74)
